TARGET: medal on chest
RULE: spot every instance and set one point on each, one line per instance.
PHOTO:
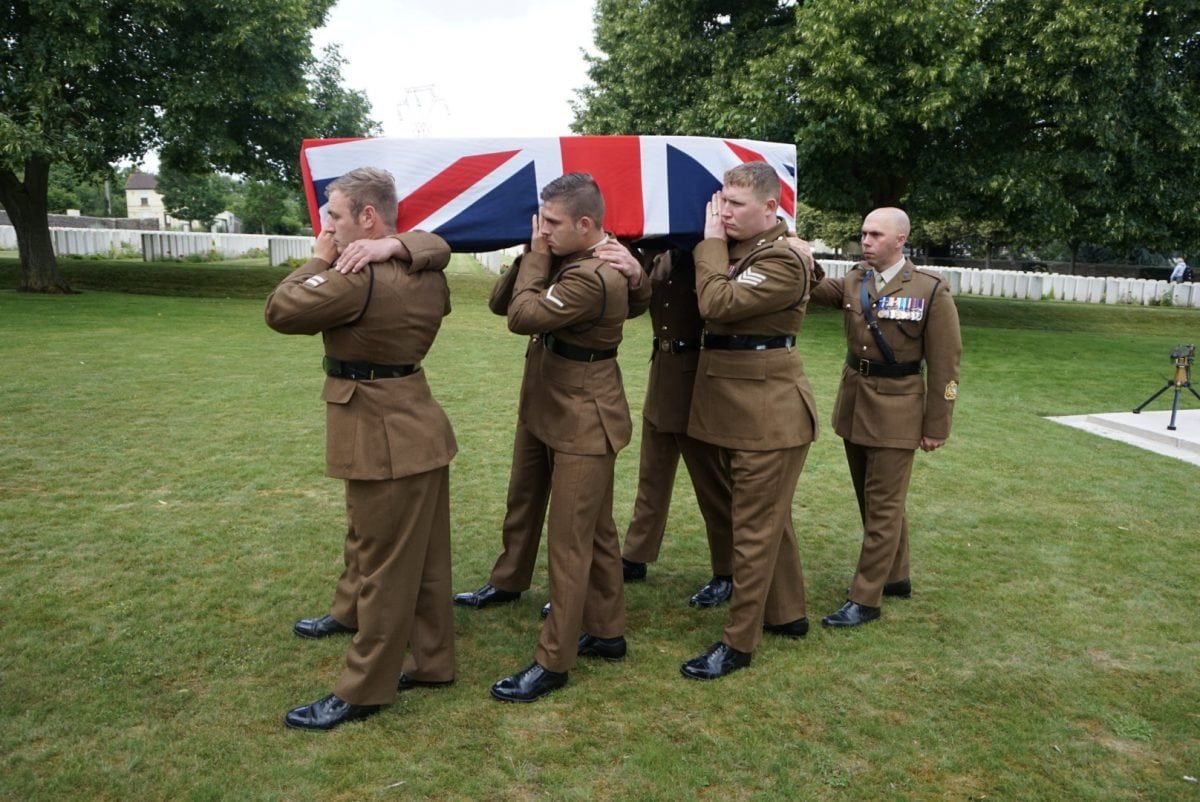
(894, 307)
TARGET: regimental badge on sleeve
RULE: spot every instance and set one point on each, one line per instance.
(312, 282)
(951, 390)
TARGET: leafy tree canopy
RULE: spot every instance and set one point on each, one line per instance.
(211, 85)
(1032, 120)
(188, 196)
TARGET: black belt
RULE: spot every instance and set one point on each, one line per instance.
(365, 371)
(575, 352)
(676, 346)
(747, 342)
(866, 367)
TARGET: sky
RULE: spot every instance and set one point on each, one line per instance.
(464, 68)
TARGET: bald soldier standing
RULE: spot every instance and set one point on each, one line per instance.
(386, 437)
(898, 320)
(573, 410)
(753, 401)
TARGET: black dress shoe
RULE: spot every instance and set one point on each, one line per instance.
(530, 683)
(633, 572)
(485, 596)
(608, 648)
(321, 627)
(545, 610)
(327, 713)
(851, 614)
(407, 683)
(900, 589)
(792, 629)
(718, 661)
(718, 590)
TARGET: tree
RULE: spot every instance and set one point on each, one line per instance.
(94, 82)
(269, 207)
(1031, 119)
(187, 196)
(99, 195)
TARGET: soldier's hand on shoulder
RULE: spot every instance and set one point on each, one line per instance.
(621, 260)
(362, 252)
(801, 249)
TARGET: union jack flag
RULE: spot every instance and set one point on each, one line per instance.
(479, 194)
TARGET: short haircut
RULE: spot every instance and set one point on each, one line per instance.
(368, 186)
(758, 177)
(579, 195)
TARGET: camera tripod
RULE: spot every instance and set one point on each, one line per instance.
(1182, 358)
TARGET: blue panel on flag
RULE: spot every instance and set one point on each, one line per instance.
(319, 187)
(497, 220)
(690, 186)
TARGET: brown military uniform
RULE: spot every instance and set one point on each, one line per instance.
(392, 443)
(882, 419)
(677, 327)
(528, 493)
(573, 407)
(757, 406)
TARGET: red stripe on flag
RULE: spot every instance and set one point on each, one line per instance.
(446, 186)
(787, 196)
(616, 164)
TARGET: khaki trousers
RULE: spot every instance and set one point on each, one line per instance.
(768, 579)
(396, 586)
(880, 477)
(525, 513)
(660, 454)
(587, 590)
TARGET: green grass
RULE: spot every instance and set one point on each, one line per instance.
(164, 519)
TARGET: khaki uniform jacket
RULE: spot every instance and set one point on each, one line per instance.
(752, 400)
(572, 406)
(887, 412)
(388, 314)
(675, 315)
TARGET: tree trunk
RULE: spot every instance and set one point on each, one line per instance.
(1074, 255)
(25, 202)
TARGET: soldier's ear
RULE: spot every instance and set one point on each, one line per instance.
(368, 217)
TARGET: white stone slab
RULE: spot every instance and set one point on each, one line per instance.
(1148, 430)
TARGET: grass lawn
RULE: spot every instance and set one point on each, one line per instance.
(164, 519)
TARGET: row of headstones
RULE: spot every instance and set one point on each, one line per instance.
(1054, 286)
(494, 261)
(165, 245)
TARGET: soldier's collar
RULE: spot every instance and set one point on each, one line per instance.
(587, 253)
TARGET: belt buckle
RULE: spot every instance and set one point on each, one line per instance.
(864, 367)
(666, 345)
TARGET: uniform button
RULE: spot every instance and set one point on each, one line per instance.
(847, 306)
(864, 347)
(668, 303)
(664, 328)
